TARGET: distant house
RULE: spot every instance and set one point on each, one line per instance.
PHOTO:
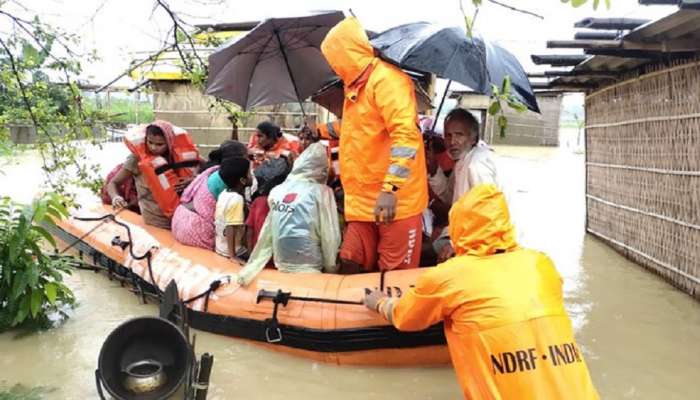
(526, 129)
(642, 88)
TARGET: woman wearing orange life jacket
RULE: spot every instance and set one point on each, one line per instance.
(508, 333)
(269, 142)
(163, 161)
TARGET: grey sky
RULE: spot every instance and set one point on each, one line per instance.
(119, 29)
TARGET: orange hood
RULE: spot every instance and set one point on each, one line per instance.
(480, 223)
(347, 50)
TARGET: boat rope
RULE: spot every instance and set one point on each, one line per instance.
(280, 297)
(215, 284)
(103, 218)
(284, 297)
(118, 242)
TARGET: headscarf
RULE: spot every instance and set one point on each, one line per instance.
(168, 133)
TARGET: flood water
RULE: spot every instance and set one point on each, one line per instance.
(639, 335)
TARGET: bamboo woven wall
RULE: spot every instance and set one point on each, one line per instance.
(643, 170)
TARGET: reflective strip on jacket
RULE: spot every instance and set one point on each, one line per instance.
(507, 330)
(380, 143)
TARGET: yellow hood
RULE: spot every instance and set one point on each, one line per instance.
(347, 50)
(480, 223)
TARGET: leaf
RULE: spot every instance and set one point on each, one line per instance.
(505, 86)
(517, 105)
(57, 204)
(596, 3)
(18, 285)
(35, 303)
(30, 55)
(578, 3)
(43, 232)
(39, 210)
(495, 107)
(50, 292)
(22, 311)
(502, 124)
(608, 4)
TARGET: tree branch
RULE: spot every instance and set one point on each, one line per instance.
(27, 104)
(178, 27)
(526, 12)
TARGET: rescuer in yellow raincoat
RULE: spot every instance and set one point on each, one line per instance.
(382, 161)
(506, 327)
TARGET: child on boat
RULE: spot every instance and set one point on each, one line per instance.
(163, 161)
(193, 222)
(268, 175)
(229, 217)
(301, 232)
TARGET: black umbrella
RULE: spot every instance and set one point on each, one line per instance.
(332, 97)
(279, 61)
(450, 54)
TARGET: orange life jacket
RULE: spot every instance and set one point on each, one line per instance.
(160, 175)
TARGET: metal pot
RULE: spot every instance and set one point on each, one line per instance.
(144, 376)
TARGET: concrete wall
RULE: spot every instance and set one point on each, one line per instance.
(184, 105)
(526, 129)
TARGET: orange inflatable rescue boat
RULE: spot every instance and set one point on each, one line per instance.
(318, 316)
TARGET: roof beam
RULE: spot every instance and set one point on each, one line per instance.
(610, 23)
(571, 87)
(561, 60)
(626, 53)
(597, 35)
(582, 74)
(671, 46)
(658, 2)
(583, 44)
(680, 22)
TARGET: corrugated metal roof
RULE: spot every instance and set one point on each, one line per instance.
(674, 36)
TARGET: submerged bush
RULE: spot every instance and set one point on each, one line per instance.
(31, 281)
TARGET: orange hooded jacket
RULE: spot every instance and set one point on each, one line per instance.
(507, 330)
(381, 147)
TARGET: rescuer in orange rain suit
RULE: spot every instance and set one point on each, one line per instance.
(507, 330)
(382, 160)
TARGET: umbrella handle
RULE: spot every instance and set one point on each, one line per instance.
(444, 96)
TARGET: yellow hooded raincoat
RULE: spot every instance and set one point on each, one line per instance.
(380, 143)
(508, 333)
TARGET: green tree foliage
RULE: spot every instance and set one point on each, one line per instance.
(31, 282)
(38, 72)
(502, 94)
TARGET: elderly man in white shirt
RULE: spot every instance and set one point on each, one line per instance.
(474, 164)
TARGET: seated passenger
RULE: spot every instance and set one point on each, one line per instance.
(193, 222)
(306, 138)
(127, 190)
(268, 175)
(474, 164)
(227, 149)
(269, 142)
(230, 210)
(301, 231)
(163, 161)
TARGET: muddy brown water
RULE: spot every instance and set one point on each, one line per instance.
(640, 335)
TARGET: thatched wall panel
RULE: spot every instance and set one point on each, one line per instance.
(643, 170)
